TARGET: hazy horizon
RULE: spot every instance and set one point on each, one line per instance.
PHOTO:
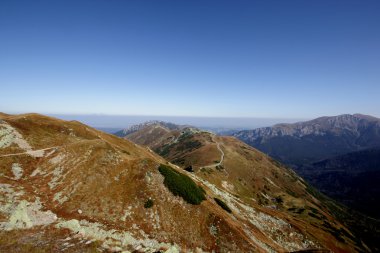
(123, 121)
(103, 121)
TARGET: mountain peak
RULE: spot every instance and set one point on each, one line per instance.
(155, 123)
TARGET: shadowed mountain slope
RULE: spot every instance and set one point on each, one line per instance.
(352, 178)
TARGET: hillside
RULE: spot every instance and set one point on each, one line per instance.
(353, 179)
(247, 174)
(68, 187)
(311, 141)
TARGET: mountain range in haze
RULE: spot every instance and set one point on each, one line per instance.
(215, 123)
(68, 187)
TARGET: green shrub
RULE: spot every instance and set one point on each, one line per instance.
(164, 150)
(279, 200)
(189, 169)
(148, 203)
(296, 210)
(219, 167)
(182, 185)
(222, 205)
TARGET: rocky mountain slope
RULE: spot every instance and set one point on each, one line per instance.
(243, 172)
(68, 187)
(353, 179)
(311, 141)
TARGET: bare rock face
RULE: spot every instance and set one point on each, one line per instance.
(87, 191)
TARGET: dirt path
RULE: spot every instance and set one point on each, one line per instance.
(36, 152)
(221, 156)
(30, 152)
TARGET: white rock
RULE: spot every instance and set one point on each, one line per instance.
(17, 171)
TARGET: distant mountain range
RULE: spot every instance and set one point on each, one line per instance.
(311, 141)
(339, 155)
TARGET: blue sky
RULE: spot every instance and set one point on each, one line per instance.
(272, 59)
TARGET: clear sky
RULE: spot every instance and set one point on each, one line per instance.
(275, 59)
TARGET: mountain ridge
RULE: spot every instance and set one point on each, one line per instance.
(314, 140)
(329, 123)
(135, 128)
